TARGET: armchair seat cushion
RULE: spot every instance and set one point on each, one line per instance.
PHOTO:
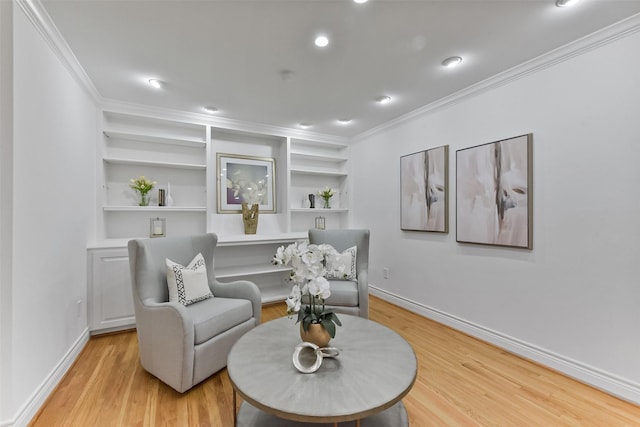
(213, 316)
(344, 293)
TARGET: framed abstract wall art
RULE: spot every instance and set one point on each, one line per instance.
(494, 197)
(424, 188)
(245, 179)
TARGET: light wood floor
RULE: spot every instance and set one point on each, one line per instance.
(461, 382)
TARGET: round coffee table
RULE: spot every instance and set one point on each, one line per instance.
(376, 368)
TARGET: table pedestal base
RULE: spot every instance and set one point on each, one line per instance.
(249, 416)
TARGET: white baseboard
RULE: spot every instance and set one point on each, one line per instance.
(30, 408)
(605, 381)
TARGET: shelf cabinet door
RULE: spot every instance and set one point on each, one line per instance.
(110, 296)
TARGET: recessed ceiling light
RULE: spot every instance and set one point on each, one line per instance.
(322, 41)
(344, 121)
(304, 125)
(383, 99)
(566, 3)
(360, 1)
(452, 61)
(210, 110)
(155, 83)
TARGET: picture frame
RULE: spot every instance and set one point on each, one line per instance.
(158, 227)
(494, 193)
(245, 179)
(424, 190)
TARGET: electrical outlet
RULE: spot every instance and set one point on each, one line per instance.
(385, 272)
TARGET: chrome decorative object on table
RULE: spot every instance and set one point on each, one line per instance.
(303, 356)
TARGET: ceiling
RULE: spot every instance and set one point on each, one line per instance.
(256, 61)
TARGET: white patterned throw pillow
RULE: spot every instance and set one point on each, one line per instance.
(188, 285)
(343, 265)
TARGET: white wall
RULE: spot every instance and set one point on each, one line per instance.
(54, 139)
(6, 139)
(573, 301)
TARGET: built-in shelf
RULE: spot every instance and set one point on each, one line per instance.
(257, 239)
(318, 172)
(249, 270)
(275, 294)
(132, 162)
(163, 139)
(319, 210)
(320, 157)
(155, 208)
(182, 153)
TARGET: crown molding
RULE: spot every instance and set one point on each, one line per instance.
(588, 43)
(36, 13)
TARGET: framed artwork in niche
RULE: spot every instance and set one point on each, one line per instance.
(424, 190)
(246, 179)
(494, 194)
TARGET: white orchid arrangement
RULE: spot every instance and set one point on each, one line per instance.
(309, 262)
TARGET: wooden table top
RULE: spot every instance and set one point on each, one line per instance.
(375, 369)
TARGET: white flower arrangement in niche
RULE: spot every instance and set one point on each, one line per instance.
(311, 288)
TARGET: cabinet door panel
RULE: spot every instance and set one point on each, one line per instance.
(111, 299)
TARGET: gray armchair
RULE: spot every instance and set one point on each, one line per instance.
(348, 296)
(184, 345)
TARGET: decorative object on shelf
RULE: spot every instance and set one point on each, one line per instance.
(308, 357)
(142, 185)
(246, 179)
(320, 222)
(326, 194)
(158, 227)
(168, 197)
(312, 201)
(424, 190)
(310, 287)
(493, 193)
(250, 218)
(162, 201)
(305, 203)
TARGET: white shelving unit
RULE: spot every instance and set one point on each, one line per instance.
(172, 153)
(182, 154)
(315, 165)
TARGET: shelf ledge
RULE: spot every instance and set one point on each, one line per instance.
(320, 210)
(257, 239)
(118, 161)
(155, 208)
(143, 137)
(317, 172)
(250, 270)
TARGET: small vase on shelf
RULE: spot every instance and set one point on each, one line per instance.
(327, 203)
(250, 218)
(144, 199)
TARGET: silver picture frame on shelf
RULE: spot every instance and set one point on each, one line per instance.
(158, 227)
(245, 179)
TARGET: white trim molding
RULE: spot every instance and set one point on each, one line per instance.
(38, 398)
(605, 381)
(37, 14)
(606, 35)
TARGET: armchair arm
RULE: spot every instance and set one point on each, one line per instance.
(243, 289)
(363, 293)
(166, 339)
